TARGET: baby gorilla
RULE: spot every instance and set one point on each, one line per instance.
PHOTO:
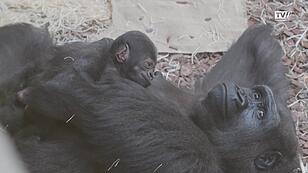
(132, 54)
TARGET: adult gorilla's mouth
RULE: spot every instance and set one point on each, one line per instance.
(226, 100)
(147, 79)
(216, 102)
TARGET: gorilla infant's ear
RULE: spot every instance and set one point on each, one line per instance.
(122, 53)
(267, 160)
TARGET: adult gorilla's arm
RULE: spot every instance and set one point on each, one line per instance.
(253, 60)
(177, 97)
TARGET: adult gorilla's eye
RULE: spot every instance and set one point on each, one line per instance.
(267, 160)
(260, 114)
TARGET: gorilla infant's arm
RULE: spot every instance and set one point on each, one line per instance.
(89, 58)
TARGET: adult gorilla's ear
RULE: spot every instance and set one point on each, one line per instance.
(267, 160)
(122, 53)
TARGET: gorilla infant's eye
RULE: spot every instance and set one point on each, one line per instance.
(148, 64)
(260, 114)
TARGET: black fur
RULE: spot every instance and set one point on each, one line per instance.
(128, 128)
(140, 130)
(27, 58)
(255, 59)
(144, 134)
(182, 99)
(25, 52)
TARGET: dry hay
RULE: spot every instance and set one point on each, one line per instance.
(71, 20)
(67, 20)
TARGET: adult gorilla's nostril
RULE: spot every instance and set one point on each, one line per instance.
(241, 97)
(158, 74)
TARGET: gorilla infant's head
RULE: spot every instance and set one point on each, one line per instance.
(252, 130)
(135, 57)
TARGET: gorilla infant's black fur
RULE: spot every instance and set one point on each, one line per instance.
(133, 55)
(229, 128)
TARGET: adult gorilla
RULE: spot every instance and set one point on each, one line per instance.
(253, 62)
(233, 129)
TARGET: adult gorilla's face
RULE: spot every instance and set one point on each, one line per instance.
(243, 108)
(252, 131)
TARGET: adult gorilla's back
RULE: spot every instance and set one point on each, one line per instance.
(128, 125)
